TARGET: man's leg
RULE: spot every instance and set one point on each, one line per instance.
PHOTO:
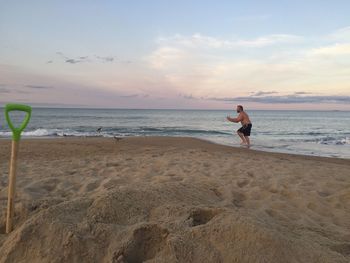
(242, 137)
(247, 140)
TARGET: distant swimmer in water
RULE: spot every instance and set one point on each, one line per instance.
(99, 130)
(244, 131)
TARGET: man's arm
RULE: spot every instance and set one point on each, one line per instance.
(238, 119)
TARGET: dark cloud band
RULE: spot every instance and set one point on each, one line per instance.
(288, 99)
(38, 87)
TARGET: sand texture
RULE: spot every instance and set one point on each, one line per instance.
(162, 199)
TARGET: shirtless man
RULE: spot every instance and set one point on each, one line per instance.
(244, 131)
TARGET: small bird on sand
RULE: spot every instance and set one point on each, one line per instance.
(117, 138)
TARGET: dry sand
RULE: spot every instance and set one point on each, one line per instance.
(173, 200)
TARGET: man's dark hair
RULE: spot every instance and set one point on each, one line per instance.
(240, 106)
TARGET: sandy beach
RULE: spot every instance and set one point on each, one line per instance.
(164, 199)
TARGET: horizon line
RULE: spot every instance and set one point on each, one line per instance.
(174, 109)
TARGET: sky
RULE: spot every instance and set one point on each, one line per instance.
(194, 54)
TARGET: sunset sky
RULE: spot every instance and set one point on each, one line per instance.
(176, 54)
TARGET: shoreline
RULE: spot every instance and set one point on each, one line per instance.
(53, 138)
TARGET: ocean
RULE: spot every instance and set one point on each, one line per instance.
(318, 133)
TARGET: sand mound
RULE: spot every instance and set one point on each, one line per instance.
(173, 222)
(174, 200)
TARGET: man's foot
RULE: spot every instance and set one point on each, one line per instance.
(243, 143)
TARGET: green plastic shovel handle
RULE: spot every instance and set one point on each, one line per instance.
(16, 132)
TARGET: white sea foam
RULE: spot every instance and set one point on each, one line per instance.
(334, 141)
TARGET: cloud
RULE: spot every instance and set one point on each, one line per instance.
(132, 96)
(7, 89)
(209, 66)
(302, 93)
(201, 41)
(332, 50)
(47, 105)
(188, 97)
(89, 59)
(262, 93)
(106, 59)
(341, 34)
(287, 99)
(4, 90)
(166, 57)
(19, 89)
(129, 96)
(38, 87)
(72, 60)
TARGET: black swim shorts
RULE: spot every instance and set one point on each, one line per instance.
(245, 129)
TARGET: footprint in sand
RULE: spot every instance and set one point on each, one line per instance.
(144, 245)
(72, 172)
(217, 193)
(3, 227)
(201, 216)
(275, 214)
(250, 174)
(112, 164)
(343, 249)
(242, 183)
(238, 199)
(91, 186)
(323, 193)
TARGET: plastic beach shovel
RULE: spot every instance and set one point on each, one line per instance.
(16, 136)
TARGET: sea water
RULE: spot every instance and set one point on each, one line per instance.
(319, 133)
